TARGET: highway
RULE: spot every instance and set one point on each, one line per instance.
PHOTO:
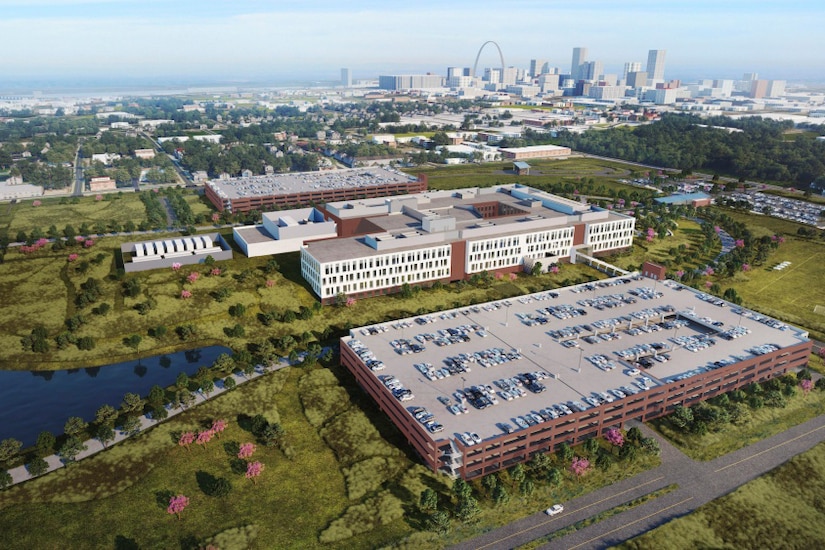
(698, 483)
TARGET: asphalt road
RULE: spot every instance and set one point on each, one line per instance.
(698, 483)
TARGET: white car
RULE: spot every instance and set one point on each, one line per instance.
(555, 509)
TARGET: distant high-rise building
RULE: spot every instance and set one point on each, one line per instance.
(759, 88)
(631, 67)
(346, 77)
(492, 76)
(750, 76)
(656, 65)
(579, 57)
(410, 82)
(509, 76)
(591, 70)
(725, 85)
(776, 88)
(454, 71)
(637, 79)
(537, 67)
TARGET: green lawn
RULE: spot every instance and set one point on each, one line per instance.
(688, 233)
(76, 211)
(781, 509)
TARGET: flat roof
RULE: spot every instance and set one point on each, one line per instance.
(512, 326)
(304, 182)
(670, 199)
(534, 148)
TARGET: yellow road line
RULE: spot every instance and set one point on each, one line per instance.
(556, 518)
(631, 523)
(809, 432)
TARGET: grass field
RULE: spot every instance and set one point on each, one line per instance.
(61, 212)
(688, 233)
(542, 172)
(763, 423)
(348, 484)
(782, 509)
(792, 293)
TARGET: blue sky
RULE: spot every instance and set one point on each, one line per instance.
(274, 39)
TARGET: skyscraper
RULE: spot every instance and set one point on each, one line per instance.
(579, 57)
(656, 65)
(631, 67)
(346, 78)
(537, 67)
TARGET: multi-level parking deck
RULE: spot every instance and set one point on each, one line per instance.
(479, 388)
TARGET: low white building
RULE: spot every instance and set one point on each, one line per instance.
(284, 231)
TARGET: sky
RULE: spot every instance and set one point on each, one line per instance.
(272, 40)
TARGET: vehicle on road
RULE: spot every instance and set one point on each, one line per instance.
(555, 509)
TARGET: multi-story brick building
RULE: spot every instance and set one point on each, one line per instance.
(278, 191)
(385, 243)
(582, 345)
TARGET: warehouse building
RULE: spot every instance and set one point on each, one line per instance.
(481, 388)
(385, 243)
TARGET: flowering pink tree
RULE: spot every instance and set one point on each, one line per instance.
(350, 301)
(72, 258)
(806, 385)
(579, 466)
(192, 277)
(499, 276)
(253, 470)
(680, 273)
(740, 243)
(216, 271)
(513, 276)
(36, 203)
(717, 228)
(651, 234)
(204, 437)
(176, 266)
(708, 284)
(186, 439)
(216, 217)
(177, 504)
(246, 450)
(270, 283)
(746, 267)
(614, 437)
(88, 243)
(219, 426)
(709, 271)
(554, 269)
(185, 294)
(98, 197)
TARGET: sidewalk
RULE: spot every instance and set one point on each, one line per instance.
(93, 446)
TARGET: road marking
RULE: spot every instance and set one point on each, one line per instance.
(809, 432)
(556, 518)
(631, 523)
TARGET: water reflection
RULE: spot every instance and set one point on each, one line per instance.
(37, 401)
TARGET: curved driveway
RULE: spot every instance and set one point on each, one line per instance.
(698, 483)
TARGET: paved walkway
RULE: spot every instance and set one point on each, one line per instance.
(93, 446)
(698, 483)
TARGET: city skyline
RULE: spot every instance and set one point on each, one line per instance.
(265, 40)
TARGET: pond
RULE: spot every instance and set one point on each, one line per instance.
(36, 401)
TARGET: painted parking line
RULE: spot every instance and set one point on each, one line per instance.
(809, 432)
(556, 518)
(601, 536)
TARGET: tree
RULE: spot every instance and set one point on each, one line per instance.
(554, 476)
(254, 470)
(177, 504)
(246, 450)
(45, 444)
(5, 479)
(500, 495)
(204, 437)
(186, 439)
(207, 385)
(37, 467)
(428, 501)
(580, 466)
(71, 448)
(614, 437)
(467, 510)
(157, 396)
(132, 341)
(182, 381)
(130, 426)
(461, 488)
(229, 383)
(9, 449)
(517, 473)
(526, 487)
(131, 403)
(564, 452)
(106, 415)
(439, 522)
(218, 426)
(105, 433)
(634, 434)
(74, 426)
(604, 460)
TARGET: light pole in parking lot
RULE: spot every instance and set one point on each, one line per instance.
(581, 354)
(506, 315)
(463, 384)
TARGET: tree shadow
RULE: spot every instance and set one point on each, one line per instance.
(206, 481)
(163, 497)
(231, 448)
(125, 543)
